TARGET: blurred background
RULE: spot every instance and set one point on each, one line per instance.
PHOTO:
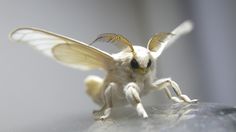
(38, 94)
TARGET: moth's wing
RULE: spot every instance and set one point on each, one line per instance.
(162, 40)
(182, 29)
(68, 51)
(77, 55)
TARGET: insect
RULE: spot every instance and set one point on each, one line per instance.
(130, 73)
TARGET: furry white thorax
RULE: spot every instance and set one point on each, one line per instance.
(121, 74)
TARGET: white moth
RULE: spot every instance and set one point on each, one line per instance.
(130, 73)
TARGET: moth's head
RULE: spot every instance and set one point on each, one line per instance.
(142, 60)
(138, 58)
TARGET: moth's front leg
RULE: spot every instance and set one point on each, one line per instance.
(131, 91)
(165, 83)
(106, 109)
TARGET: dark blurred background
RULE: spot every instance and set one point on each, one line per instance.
(37, 93)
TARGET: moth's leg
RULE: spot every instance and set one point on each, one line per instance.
(106, 109)
(171, 97)
(132, 96)
(167, 82)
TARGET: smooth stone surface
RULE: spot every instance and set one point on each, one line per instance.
(199, 117)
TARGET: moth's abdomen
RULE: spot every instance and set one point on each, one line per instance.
(94, 88)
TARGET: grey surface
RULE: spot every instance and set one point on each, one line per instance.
(199, 117)
(177, 118)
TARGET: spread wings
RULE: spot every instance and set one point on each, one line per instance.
(68, 51)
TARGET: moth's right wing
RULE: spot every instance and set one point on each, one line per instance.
(68, 51)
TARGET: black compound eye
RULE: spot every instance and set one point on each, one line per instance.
(134, 64)
(149, 63)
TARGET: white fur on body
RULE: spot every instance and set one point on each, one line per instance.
(121, 74)
(129, 84)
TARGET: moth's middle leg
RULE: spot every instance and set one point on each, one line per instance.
(106, 109)
(132, 96)
(165, 83)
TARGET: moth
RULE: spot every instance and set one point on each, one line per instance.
(130, 73)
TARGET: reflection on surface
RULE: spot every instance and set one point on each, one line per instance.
(176, 117)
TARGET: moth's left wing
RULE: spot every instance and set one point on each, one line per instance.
(162, 40)
(68, 51)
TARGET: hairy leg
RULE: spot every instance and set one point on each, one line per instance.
(106, 109)
(132, 96)
(165, 83)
